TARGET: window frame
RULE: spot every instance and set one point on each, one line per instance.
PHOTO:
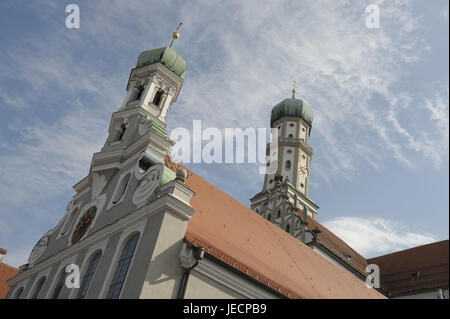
(58, 288)
(123, 259)
(89, 275)
(39, 283)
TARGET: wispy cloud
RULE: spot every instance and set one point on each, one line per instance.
(60, 88)
(376, 236)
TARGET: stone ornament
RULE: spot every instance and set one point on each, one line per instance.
(148, 184)
(98, 184)
(84, 224)
(38, 250)
(145, 124)
(99, 203)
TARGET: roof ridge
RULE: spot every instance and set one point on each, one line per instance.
(411, 248)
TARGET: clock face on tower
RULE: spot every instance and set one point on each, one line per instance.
(303, 170)
(83, 224)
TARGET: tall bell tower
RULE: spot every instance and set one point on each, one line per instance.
(153, 86)
(137, 131)
(285, 191)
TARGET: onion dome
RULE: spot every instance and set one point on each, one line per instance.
(167, 57)
(292, 107)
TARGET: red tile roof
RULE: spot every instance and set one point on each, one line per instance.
(418, 268)
(6, 273)
(241, 238)
(337, 245)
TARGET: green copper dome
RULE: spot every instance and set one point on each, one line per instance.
(167, 57)
(292, 107)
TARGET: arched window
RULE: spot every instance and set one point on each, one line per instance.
(287, 228)
(18, 293)
(38, 288)
(288, 165)
(87, 278)
(158, 97)
(269, 217)
(60, 283)
(122, 268)
(121, 131)
(120, 191)
(84, 224)
(278, 213)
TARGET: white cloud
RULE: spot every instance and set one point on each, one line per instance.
(242, 57)
(376, 236)
(242, 63)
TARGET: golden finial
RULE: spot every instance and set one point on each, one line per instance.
(175, 35)
(294, 90)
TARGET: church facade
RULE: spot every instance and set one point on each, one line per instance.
(142, 226)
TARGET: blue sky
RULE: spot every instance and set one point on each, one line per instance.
(380, 96)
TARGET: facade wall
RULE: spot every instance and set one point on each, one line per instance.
(210, 279)
(425, 295)
(163, 276)
(201, 287)
(158, 228)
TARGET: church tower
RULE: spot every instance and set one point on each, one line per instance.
(285, 191)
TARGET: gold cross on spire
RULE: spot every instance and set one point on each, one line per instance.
(294, 89)
(175, 35)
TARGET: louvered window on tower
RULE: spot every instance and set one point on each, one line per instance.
(288, 165)
(158, 97)
(122, 129)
